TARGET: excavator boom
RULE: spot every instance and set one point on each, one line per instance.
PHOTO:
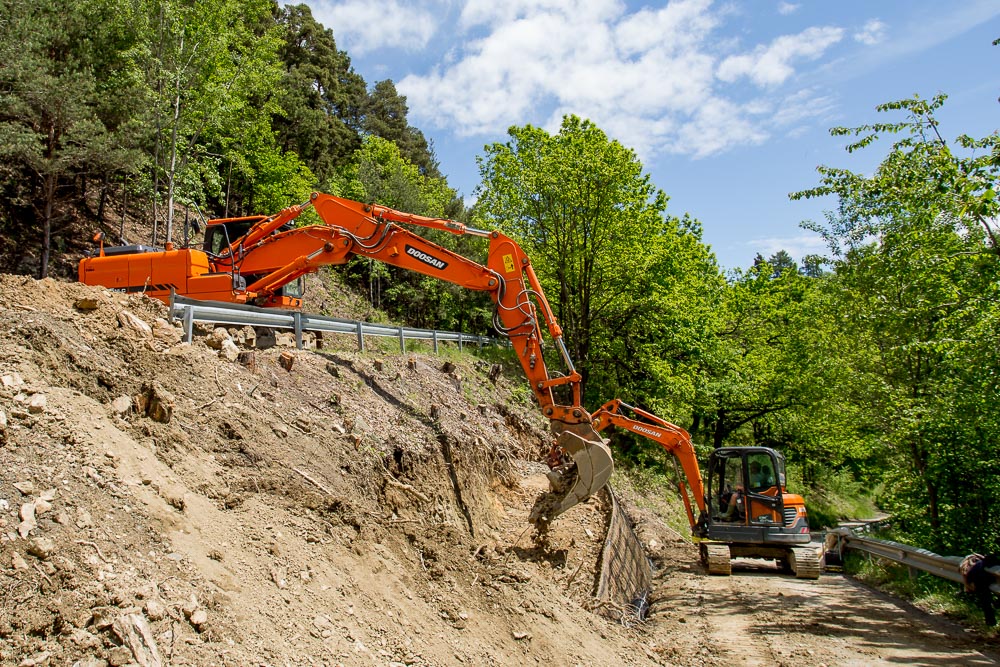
(256, 266)
(672, 438)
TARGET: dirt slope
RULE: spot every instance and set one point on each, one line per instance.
(314, 515)
(162, 504)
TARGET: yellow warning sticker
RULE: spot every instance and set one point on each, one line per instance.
(508, 263)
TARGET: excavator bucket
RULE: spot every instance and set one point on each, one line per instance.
(571, 484)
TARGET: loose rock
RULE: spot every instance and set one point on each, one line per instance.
(135, 634)
(164, 331)
(155, 611)
(156, 402)
(229, 351)
(40, 659)
(42, 547)
(28, 524)
(199, 619)
(42, 506)
(130, 321)
(122, 405)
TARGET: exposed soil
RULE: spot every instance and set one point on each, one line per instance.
(158, 500)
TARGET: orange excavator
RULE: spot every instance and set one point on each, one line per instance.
(744, 511)
(261, 260)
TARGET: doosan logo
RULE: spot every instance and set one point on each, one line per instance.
(417, 253)
(647, 431)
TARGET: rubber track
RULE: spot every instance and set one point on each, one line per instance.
(719, 559)
(805, 563)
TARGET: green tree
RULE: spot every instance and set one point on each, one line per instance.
(812, 266)
(213, 76)
(605, 251)
(915, 265)
(50, 123)
(386, 116)
(764, 364)
(324, 98)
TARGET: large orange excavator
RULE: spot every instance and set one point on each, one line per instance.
(744, 511)
(261, 259)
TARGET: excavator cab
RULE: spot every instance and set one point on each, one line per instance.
(222, 239)
(752, 479)
(767, 521)
(222, 232)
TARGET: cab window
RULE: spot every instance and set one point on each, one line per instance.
(761, 472)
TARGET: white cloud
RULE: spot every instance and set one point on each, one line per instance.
(922, 30)
(663, 79)
(493, 13)
(786, 8)
(719, 124)
(871, 33)
(771, 65)
(802, 105)
(367, 26)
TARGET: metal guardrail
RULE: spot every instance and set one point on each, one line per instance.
(218, 312)
(945, 567)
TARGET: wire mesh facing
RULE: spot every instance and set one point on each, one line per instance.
(626, 575)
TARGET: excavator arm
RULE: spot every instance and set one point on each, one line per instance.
(673, 439)
(274, 255)
(355, 229)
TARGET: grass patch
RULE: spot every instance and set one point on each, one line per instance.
(653, 490)
(838, 497)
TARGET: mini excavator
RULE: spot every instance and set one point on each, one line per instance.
(744, 511)
(260, 260)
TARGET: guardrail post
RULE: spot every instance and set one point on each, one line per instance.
(297, 320)
(402, 341)
(479, 339)
(361, 338)
(188, 324)
(434, 335)
(461, 337)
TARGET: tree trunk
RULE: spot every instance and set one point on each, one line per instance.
(50, 195)
(229, 185)
(173, 155)
(104, 198)
(121, 229)
(720, 430)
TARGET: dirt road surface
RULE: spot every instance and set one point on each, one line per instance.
(759, 616)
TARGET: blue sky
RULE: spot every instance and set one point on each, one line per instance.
(728, 104)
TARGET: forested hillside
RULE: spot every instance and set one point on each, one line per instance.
(874, 369)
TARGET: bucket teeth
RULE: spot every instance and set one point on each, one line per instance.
(591, 469)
